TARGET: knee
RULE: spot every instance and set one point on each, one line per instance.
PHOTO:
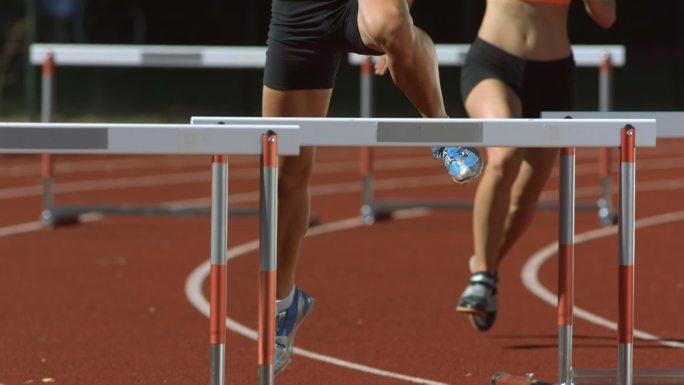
(503, 166)
(391, 30)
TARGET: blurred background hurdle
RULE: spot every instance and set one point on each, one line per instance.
(93, 55)
(51, 56)
(452, 55)
(670, 125)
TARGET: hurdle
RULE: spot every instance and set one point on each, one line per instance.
(223, 136)
(670, 126)
(484, 133)
(49, 56)
(605, 57)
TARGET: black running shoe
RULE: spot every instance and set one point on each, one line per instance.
(480, 300)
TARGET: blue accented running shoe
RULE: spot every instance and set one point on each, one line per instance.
(287, 322)
(480, 300)
(463, 164)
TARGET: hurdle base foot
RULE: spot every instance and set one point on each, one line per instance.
(50, 220)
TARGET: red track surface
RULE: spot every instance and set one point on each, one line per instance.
(104, 302)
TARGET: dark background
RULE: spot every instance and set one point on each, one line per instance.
(652, 32)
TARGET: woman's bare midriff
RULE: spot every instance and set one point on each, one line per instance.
(533, 31)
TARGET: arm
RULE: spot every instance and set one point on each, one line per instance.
(602, 11)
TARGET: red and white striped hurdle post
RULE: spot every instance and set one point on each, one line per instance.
(566, 263)
(47, 112)
(218, 280)
(267, 258)
(626, 235)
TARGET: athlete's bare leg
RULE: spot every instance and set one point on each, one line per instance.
(293, 179)
(491, 98)
(534, 172)
(506, 199)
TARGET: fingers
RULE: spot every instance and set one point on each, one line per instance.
(381, 65)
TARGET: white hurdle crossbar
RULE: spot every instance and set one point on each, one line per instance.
(605, 57)
(172, 56)
(270, 137)
(670, 125)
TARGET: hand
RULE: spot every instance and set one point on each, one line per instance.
(602, 11)
(381, 65)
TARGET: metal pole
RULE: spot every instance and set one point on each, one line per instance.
(626, 257)
(29, 72)
(367, 107)
(566, 254)
(606, 212)
(267, 258)
(48, 214)
(218, 284)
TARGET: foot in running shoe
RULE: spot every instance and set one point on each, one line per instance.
(287, 323)
(463, 164)
(480, 300)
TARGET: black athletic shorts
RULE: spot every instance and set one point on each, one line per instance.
(307, 39)
(540, 85)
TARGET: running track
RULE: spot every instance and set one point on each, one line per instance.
(123, 300)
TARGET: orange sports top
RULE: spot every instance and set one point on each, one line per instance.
(560, 2)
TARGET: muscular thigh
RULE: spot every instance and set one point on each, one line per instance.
(492, 98)
(374, 15)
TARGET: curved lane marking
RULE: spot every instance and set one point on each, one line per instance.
(193, 291)
(530, 274)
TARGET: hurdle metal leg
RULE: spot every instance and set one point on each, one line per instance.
(267, 258)
(47, 217)
(367, 107)
(626, 257)
(566, 261)
(218, 284)
(626, 237)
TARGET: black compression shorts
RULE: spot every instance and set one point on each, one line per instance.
(307, 39)
(540, 85)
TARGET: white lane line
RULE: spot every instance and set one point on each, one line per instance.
(325, 168)
(193, 288)
(20, 228)
(193, 291)
(642, 186)
(64, 167)
(93, 164)
(530, 274)
(28, 227)
(428, 181)
(152, 180)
